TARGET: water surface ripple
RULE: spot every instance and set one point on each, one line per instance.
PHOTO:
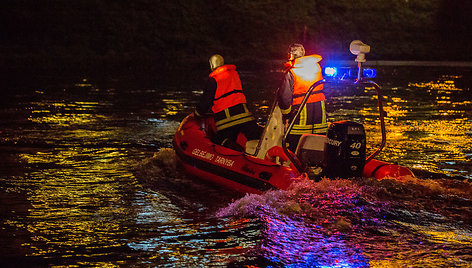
(88, 178)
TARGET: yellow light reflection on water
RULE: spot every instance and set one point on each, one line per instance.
(73, 203)
(65, 114)
(436, 257)
(172, 107)
(427, 132)
(446, 82)
(441, 233)
(75, 191)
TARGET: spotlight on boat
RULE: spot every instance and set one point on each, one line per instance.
(359, 49)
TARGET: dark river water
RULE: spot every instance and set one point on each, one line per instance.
(88, 177)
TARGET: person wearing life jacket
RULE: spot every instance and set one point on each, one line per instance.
(223, 96)
(301, 72)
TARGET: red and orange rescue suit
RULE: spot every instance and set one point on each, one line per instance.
(300, 75)
(224, 96)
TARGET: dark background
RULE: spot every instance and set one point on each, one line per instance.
(149, 38)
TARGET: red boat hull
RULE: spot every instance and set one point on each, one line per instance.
(220, 165)
(206, 160)
(384, 170)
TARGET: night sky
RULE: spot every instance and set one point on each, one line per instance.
(92, 35)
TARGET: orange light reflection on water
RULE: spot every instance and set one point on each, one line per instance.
(427, 133)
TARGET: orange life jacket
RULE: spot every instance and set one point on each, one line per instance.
(229, 91)
(306, 71)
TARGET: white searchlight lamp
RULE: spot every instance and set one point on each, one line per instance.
(359, 49)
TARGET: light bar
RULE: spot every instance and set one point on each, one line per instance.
(347, 72)
(330, 71)
(369, 73)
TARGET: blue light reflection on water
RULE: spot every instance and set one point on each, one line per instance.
(297, 244)
(360, 224)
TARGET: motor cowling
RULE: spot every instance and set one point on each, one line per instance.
(345, 150)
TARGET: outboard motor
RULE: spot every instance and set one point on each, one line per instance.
(345, 150)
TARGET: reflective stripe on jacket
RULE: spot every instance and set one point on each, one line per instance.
(233, 116)
(229, 90)
(317, 125)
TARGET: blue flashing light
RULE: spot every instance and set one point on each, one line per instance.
(347, 72)
(330, 71)
(336, 72)
(369, 73)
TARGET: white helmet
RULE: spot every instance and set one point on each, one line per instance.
(216, 61)
(296, 51)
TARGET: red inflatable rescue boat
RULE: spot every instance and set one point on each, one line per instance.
(268, 164)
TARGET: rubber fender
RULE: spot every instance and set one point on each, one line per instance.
(381, 170)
